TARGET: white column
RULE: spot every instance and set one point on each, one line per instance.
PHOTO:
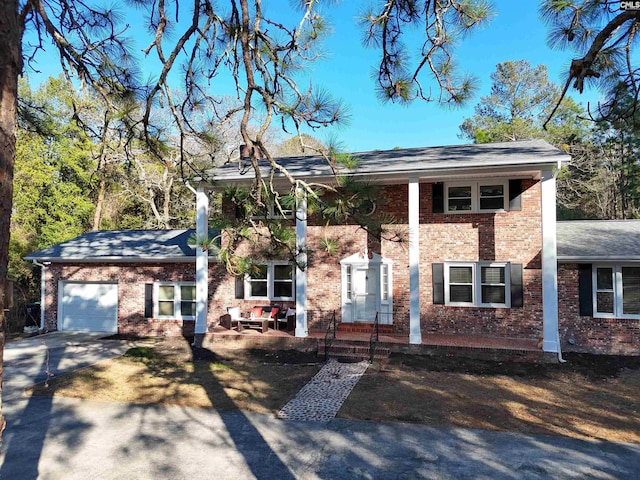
(301, 260)
(202, 261)
(549, 263)
(415, 334)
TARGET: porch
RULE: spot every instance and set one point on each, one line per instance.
(474, 346)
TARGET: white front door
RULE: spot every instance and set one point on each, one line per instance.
(366, 294)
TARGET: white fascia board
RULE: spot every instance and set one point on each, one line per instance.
(599, 259)
(531, 170)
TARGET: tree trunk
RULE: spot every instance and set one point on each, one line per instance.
(10, 68)
(97, 216)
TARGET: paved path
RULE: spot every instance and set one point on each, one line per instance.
(69, 439)
(321, 398)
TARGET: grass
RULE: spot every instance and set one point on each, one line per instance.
(589, 397)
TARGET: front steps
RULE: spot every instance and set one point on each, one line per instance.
(352, 351)
(366, 328)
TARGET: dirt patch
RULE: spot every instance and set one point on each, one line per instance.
(588, 397)
(594, 397)
(171, 372)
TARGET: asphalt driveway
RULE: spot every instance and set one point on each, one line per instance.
(32, 360)
(78, 439)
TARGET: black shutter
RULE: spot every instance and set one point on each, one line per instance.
(585, 289)
(437, 196)
(515, 194)
(516, 285)
(240, 286)
(148, 300)
(438, 283)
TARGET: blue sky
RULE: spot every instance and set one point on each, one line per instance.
(515, 32)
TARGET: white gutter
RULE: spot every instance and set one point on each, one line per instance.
(42, 266)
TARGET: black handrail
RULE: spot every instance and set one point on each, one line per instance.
(328, 340)
(375, 337)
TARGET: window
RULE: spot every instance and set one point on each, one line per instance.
(384, 268)
(175, 300)
(348, 282)
(616, 291)
(272, 281)
(477, 284)
(473, 197)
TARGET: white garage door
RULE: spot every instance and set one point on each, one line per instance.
(90, 307)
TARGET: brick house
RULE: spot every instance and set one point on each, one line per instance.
(599, 286)
(479, 259)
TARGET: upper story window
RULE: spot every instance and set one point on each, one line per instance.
(616, 291)
(477, 196)
(271, 281)
(477, 284)
(273, 213)
(175, 300)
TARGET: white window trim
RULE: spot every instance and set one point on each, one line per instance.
(617, 291)
(475, 196)
(177, 299)
(270, 283)
(476, 289)
(274, 214)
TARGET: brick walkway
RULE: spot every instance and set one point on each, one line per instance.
(321, 398)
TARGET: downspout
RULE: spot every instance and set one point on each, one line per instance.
(560, 359)
(42, 287)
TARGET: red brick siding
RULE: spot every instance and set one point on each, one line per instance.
(510, 236)
(612, 336)
(514, 236)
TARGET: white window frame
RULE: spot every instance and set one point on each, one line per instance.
(274, 214)
(270, 282)
(177, 300)
(476, 288)
(617, 291)
(475, 196)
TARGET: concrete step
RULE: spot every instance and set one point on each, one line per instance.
(366, 328)
(353, 350)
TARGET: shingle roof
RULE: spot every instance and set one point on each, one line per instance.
(578, 241)
(423, 160)
(598, 240)
(123, 246)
